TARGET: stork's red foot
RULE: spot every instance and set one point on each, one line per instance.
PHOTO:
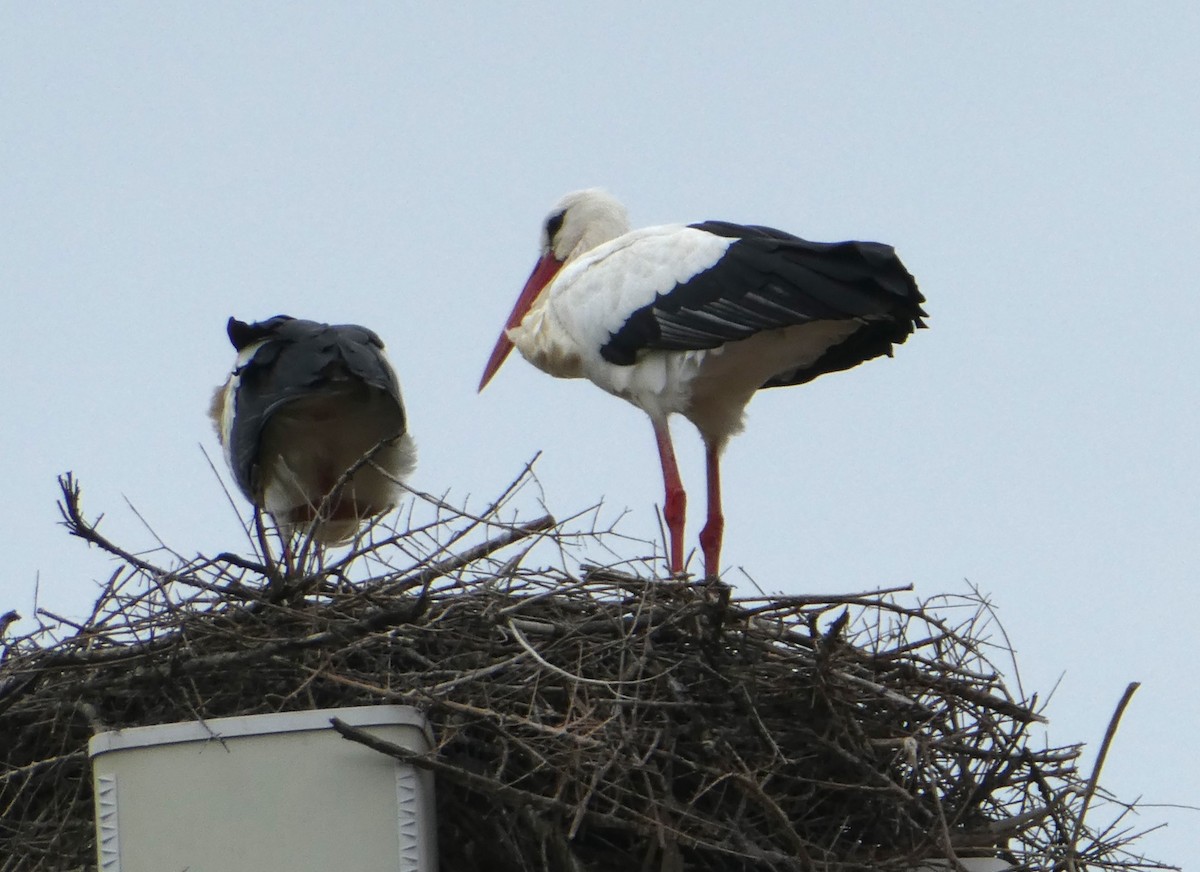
(710, 544)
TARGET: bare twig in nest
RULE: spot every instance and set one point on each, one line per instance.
(1101, 756)
(505, 792)
(72, 514)
(429, 574)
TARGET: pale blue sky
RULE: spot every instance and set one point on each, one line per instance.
(1036, 166)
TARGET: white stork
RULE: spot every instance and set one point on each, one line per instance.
(305, 403)
(693, 319)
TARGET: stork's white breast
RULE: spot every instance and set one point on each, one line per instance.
(593, 296)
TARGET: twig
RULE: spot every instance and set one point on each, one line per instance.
(1109, 734)
(503, 792)
(428, 574)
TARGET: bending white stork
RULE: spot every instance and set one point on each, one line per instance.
(693, 319)
(306, 402)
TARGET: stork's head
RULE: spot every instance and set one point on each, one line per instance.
(578, 223)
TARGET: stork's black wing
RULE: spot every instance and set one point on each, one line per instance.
(768, 279)
(298, 358)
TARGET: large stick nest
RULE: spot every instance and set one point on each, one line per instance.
(586, 719)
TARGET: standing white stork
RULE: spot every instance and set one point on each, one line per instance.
(693, 319)
(305, 403)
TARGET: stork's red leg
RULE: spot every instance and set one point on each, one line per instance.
(714, 527)
(675, 502)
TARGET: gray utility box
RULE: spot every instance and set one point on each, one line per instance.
(265, 793)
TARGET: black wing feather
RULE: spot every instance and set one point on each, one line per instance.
(298, 358)
(769, 279)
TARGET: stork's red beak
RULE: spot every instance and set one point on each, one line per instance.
(545, 270)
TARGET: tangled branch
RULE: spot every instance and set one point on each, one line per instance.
(586, 718)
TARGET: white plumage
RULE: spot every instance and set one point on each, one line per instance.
(565, 328)
(693, 319)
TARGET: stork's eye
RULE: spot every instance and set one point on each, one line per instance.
(554, 224)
